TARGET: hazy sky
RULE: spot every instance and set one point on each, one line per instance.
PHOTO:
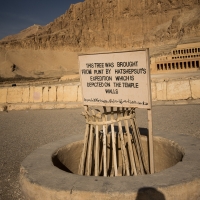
(16, 15)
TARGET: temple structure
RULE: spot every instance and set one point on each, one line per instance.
(185, 57)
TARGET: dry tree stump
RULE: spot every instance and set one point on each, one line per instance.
(112, 143)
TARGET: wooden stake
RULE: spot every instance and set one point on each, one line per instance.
(84, 152)
(141, 148)
(114, 143)
(136, 159)
(123, 148)
(104, 147)
(97, 152)
(101, 154)
(136, 138)
(150, 139)
(89, 157)
(96, 145)
(133, 167)
(83, 156)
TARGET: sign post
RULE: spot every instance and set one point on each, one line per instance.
(119, 79)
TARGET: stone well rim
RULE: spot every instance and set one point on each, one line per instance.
(39, 170)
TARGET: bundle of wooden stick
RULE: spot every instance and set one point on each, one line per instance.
(112, 144)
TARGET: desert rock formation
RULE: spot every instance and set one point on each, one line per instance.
(100, 25)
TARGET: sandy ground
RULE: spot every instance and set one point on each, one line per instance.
(21, 132)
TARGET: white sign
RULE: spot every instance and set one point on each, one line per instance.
(116, 79)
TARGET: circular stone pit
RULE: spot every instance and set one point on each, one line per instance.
(166, 154)
(43, 173)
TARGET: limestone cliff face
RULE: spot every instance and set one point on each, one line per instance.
(116, 24)
(99, 25)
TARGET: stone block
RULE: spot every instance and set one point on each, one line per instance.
(177, 90)
(14, 95)
(60, 93)
(25, 94)
(3, 95)
(48, 106)
(52, 94)
(153, 91)
(161, 88)
(18, 106)
(36, 106)
(195, 89)
(31, 90)
(35, 94)
(70, 93)
(60, 105)
(80, 99)
(45, 94)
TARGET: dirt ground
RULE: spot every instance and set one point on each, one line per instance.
(21, 132)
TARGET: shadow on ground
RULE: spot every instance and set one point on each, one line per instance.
(149, 193)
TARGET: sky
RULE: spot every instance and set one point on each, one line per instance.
(17, 15)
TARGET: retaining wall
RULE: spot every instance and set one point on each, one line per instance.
(173, 90)
(40, 97)
(70, 95)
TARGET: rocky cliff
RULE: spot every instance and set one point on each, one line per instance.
(114, 25)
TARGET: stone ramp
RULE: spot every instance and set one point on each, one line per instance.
(189, 40)
(164, 49)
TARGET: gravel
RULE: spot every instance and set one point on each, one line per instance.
(21, 132)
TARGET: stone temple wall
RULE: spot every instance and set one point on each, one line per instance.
(184, 58)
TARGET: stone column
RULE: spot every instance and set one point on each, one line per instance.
(186, 65)
(181, 65)
(177, 65)
(165, 66)
(194, 64)
(173, 66)
(170, 66)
